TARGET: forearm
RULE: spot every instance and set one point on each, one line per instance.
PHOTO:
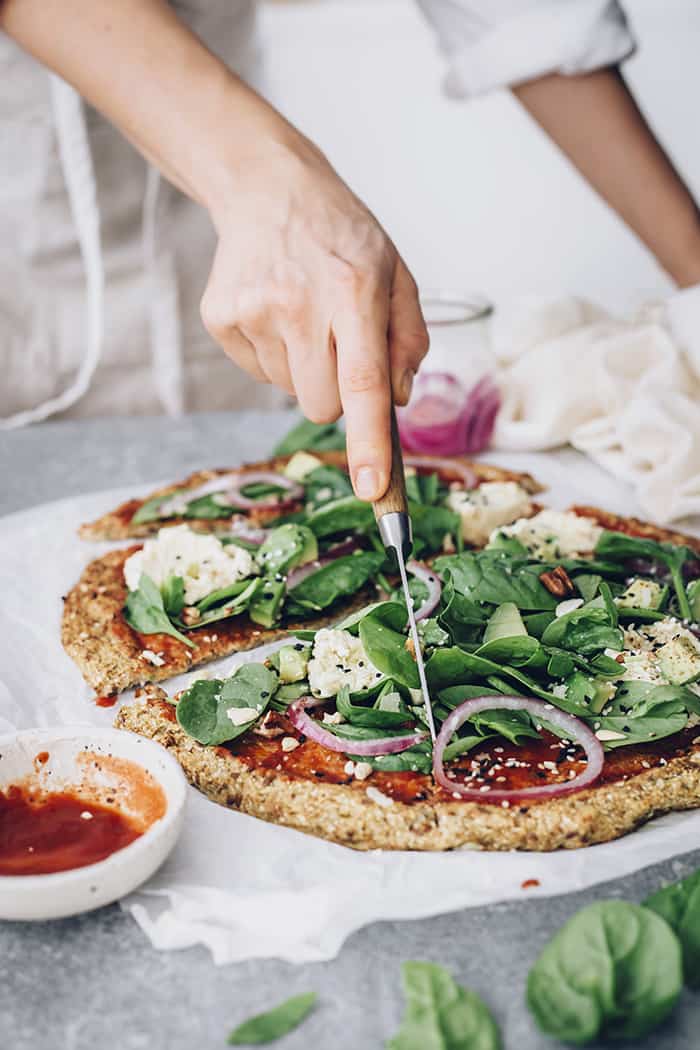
(140, 66)
(595, 120)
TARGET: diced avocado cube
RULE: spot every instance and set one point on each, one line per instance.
(642, 594)
(293, 663)
(679, 661)
(301, 464)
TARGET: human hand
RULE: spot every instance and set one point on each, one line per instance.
(308, 292)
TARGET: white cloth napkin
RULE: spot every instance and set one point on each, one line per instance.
(624, 392)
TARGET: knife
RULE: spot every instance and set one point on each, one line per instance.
(394, 523)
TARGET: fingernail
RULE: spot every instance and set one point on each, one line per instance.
(406, 384)
(367, 483)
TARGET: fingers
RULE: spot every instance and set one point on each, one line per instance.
(271, 353)
(408, 335)
(315, 377)
(361, 335)
(240, 349)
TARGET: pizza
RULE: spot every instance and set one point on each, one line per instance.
(233, 559)
(562, 658)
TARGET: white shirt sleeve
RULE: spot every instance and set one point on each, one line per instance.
(494, 43)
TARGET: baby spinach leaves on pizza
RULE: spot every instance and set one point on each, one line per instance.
(311, 437)
(584, 631)
(619, 547)
(203, 709)
(145, 611)
(612, 971)
(266, 1027)
(679, 905)
(492, 576)
(382, 635)
(338, 579)
(441, 1014)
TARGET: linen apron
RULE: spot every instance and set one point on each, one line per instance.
(102, 263)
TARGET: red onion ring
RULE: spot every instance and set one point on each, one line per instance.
(442, 465)
(338, 551)
(229, 485)
(574, 728)
(241, 529)
(445, 419)
(432, 582)
(314, 731)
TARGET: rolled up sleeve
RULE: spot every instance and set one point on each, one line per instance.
(496, 43)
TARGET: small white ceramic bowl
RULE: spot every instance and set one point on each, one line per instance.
(95, 764)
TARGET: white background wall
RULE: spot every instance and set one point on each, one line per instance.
(475, 196)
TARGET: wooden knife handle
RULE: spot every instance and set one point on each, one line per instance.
(394, 499)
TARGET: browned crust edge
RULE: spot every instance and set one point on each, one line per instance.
(109, 653)
(346, 814)
(115, 525)
(635, 527)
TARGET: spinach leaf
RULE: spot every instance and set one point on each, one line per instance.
(238, 602)
(359, 715)
(346, 514)
(452, 666)
(338, 579)
(515, 726)
(265, 1028)
(432, 524)
(230, 596)
(585, 630)
(441, 1014)
(173, 592)
(679, 905)
(325, 483)
(618, 546)
(150, 509)
(645, 712)
(381, 633)
(454, 695)
(518, 650)
(614, 970)
(423, 488)
(145, 611)
(490, 576)
(266, 604)
(209, 508)
(587, 585)
(319, 437)
(202, 709)
(286, 547)
(431, 632)
(418, 759)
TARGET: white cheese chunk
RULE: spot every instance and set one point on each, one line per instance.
(641, 594)
(203, 562)
(289, 743)
(553, 534)
(491, 505)
(152, 658)
(339, 659)
(362, 770)
(240, 715)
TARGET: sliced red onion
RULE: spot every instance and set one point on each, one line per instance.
(241, 529)
(445, 419)
(441, 465)
(229, 486)
(390, 745)
(576, 731)
(338, 551)
(432, 582)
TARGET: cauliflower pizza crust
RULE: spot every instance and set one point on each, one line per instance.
(312, 789)
(118, 524)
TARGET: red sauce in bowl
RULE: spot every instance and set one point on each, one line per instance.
(46, 833)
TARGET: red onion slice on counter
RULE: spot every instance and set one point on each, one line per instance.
(432, 582)
(441, 464)
(229, 487)
(444, 419)
(389, 745)
(338, 551)
(575, 730)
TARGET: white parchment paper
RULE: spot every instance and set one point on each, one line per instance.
(247, 889)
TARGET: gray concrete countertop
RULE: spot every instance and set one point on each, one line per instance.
(95, 981)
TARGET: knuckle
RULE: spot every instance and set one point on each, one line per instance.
(415, 343)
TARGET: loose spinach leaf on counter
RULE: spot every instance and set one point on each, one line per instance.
(613, 971)
(619, 546)
(384, 641)
(265, 1028)
(144, 610)
(679, 905)
(340, 578)
(202, 709)
(441, 1014)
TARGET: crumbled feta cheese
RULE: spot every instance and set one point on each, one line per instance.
(641, 594)
(204, 563)
(362, 770)
(334, 719)
(559, 690)
(349, 768)
(377, 796)
(609, 734)
(240, 715)
(491, 505)
(568, 606)
(289, 743)
(339, 659)
(642, 667)
(553, 534)
(152, 658)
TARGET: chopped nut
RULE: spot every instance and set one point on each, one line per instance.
(362, 770)
(410, 647)
(557, 582)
